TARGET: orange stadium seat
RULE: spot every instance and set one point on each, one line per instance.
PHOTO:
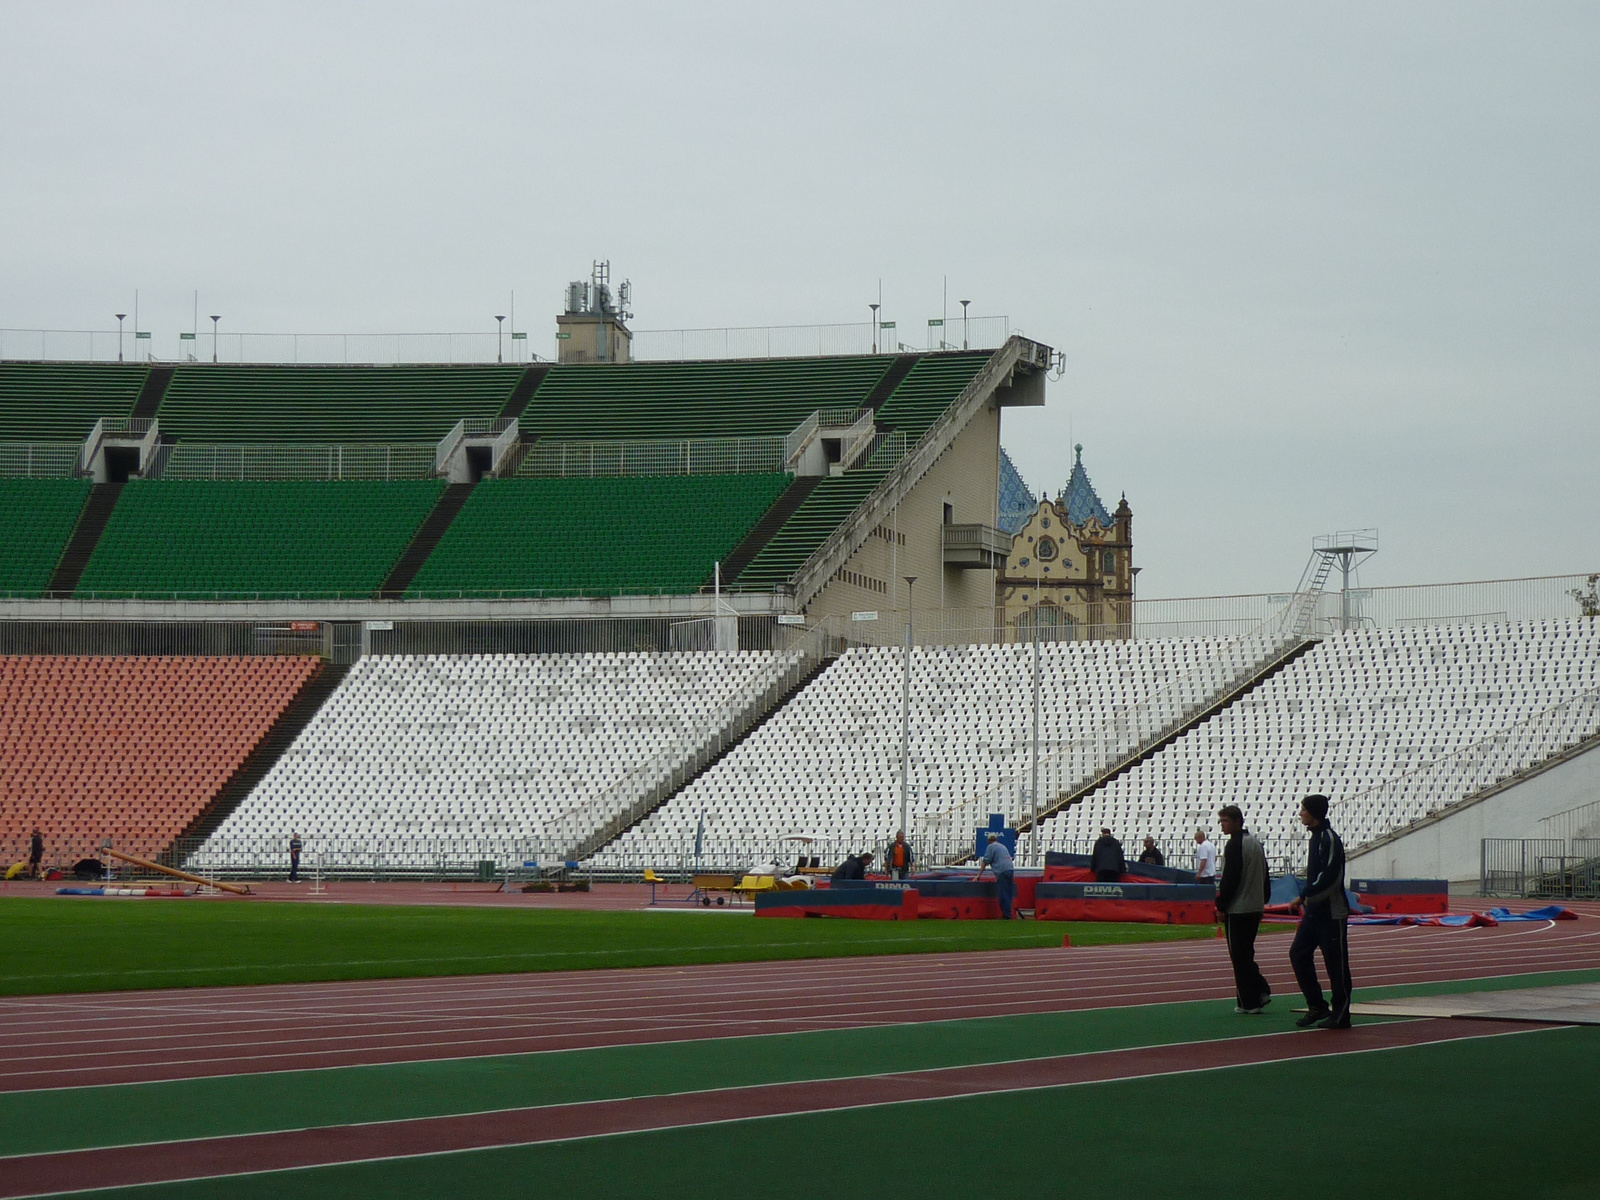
(131, 749)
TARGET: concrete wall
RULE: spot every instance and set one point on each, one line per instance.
(1449, 846)
(967, 477)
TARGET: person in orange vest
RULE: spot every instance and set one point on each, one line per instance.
(899, 858)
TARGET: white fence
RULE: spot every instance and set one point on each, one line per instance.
(186, 460)
(94, 345)
(491, 346)
(39, 460)
(1402, 607)
(807, 341)
(674, 456)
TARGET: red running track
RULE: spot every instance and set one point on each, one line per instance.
(127, 1037)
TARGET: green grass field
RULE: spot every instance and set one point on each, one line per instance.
(86, 945)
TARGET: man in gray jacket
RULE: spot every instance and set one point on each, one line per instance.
(1242, 896)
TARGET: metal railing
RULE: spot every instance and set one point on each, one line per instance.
(1580, 822)
(883, 451)
(1540, 868)
(674, 456)
(283, 462)
(305, 349)
(176, 638)
(811, 341)
(366, 858)
(1444, 782)
(675, 856)
(1402, 607)
(39, 460)
(487, 346)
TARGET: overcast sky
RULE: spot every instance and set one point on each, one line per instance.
(1314, 267)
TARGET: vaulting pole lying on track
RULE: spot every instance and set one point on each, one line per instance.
(236, 889)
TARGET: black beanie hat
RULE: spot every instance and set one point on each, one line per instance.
(1317, 806)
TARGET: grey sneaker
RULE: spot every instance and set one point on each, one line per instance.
(1248, 1012)
(1314, 1017)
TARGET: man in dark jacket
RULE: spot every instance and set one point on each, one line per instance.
(1106, 861)
(853, 867)
(1242, 896)
(35, 853)
(1324, 923)
(1151, 853)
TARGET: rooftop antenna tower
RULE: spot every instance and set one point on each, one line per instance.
(1347, 550)
(593, 328)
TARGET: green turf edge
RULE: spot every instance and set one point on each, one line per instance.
(1449, 1119)
(76, 1118)
(163, 944)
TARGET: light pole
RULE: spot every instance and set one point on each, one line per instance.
(905, 712)
(499, 339)
(964, 304)
(214, 319)
(119, 335)
(874, 309)
(1035, 791)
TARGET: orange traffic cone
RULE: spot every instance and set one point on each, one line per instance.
(1220, 934)
(1066, 940)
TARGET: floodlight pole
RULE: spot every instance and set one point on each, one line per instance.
(874, 309)
(905, 711)
(214, 319)
(119, 335)
(1035, 791)
(964, 304)
(499, 339)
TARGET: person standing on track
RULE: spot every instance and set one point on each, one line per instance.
(997, 858)
(35, 853)
(899, 858)
(1106, 860)
(1151, 853)
(1205, 857)
(1241, 899)
(1324, 923)
(295, 847)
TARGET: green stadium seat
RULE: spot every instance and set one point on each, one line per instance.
(930, 388)
(603, 536)
(744, 398)
(269, 404)
(60, 402)
(38, 516)
(819, 514)
(234, 539)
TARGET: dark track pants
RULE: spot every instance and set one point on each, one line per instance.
(1248, 982)
(1007, 890)
(1330, 934)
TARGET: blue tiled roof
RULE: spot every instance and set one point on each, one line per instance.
(1079, 496)
(1016, 501)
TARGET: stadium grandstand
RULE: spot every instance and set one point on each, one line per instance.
(657, 615)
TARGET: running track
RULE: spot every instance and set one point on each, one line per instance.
(127, 1037)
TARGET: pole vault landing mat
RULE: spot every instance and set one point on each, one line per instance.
(1568, 1004)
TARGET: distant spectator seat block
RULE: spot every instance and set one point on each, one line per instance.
(38, 516)
(236, 540)
(127, 748)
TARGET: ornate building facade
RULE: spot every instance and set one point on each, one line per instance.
(1071, 565)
